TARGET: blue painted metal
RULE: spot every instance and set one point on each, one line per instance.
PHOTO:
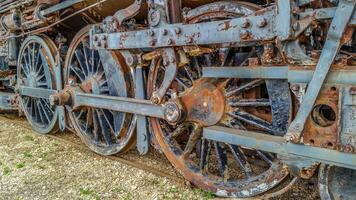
(36, 92)
(284, 19)
(143, 136)
(292, 74)
(339, 23)
(60, 6)
(217, 32)
(278, 145)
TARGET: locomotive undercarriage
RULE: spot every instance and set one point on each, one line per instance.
(236, 94)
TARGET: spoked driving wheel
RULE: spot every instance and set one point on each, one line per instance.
(104, 131)
(259, 105)
(36, 69)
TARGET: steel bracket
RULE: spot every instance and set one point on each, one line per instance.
(332, 45)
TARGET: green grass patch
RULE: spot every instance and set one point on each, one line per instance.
(6, 171)
(20, 165)
(84, 191)
(29, 138)
(27, 154)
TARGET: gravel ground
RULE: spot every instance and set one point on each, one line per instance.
(38, 167)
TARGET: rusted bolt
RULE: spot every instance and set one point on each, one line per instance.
(165, 62)
(245, 23)
(96, 38)
(245, 34)
(170, 41)
(164, 32)
(353, 90)
(105, 45)
(103, 37)
(295, 87)
(262, 22)
(177, 30)
(190, 40)
(152, 43)
(151, 33)
(54, 100)
(348, 148)
(155, 100)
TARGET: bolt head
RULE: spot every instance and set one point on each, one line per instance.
(172, 112)
(262, 22)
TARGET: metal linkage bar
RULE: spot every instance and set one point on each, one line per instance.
(119, 104)
(60, 6)
(250, 29)
(36, 92)
(332, 45)
(293, 74)
(276, 144)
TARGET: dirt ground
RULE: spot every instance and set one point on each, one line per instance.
(38, 167)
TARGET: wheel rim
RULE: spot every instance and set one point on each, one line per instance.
(104, 131)
(336, 182)
(36, 69)
(224, 168)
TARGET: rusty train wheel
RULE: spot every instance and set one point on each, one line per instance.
(259, 105)
(36, 69)
(105, 132)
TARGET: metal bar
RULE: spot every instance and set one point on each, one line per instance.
(143, 136)
(60, 6)
(216, 32)
(325, 13)
(119, 104)
(36, 92)
(331, 48)
(284, 19)
(276, 144)
(293, 74)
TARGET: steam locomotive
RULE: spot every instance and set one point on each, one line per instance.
(238, 95)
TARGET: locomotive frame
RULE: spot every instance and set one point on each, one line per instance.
(319, 84)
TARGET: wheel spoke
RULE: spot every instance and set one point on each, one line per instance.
(244, 87)
(78, 72)
(221, 157)
(81, 60)
(253, 120)
(251, 103)
(204, 154)
(104, 127)
(193, 139)
(241, 160)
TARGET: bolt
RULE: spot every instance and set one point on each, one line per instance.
(155, 100)
(165, 62)
(172, 112)
(295, 87)
(190, 40)
(151, 33)
(262, 22)
(353, 90)
(164, 32)
(152, 43)
(245, 34)
(170, 42)
(177, 31)
(54, 100)
(245, 23)
(96, 38)
(104, 37)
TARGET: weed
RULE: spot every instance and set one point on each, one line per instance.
(29, 138)
(27, 154)
(84, 191)
(6, 171)
(20, 165)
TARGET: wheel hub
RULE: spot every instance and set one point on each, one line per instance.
(204, 103)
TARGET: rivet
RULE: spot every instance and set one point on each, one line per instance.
(177, 30)
(164, 32)
(262, 22)
(151, 33)
(245, 23)
(170, 41)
